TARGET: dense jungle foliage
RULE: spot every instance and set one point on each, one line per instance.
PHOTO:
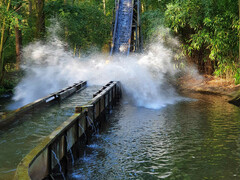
(208, 29)
(84, 25)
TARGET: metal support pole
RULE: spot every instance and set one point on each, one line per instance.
(136, 38)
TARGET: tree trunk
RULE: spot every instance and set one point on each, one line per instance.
(104, 7)
(18, 40)
(239, 33)
(40, 19)
(65, 29)
(2, 43)
(30, 7)
(142, 8)
(74, 50)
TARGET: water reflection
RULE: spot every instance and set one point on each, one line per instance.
(188, 140)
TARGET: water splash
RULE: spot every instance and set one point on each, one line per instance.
(70, 150)
(59, 164)
(144, 77)
(91, 123)
(83, 130)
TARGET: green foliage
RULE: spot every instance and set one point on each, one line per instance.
(10, 19)
(151, 21)
(11, 16)
(207, 26)
(150, 5)
(237, 76)
(209, 29)
(7, 86)
(84, 24)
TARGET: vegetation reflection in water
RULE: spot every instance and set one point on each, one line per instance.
(196, 139)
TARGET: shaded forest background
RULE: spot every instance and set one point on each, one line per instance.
(207, 29)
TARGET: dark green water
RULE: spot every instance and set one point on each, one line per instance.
(197, 139)
(20, 138)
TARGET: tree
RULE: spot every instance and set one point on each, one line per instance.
(207, 29)
(18, 38)
(87, 26)
(104, 7)
(40, 24)
(4, 38)
(24, 21)
(239, 34)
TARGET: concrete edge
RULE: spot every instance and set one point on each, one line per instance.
(22, 172)
(10, 117)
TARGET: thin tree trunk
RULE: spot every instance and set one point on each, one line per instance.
(104, 7)
(18, 40)
(30, 7)
(239, 33)
(74, 50)
(40, 19)
(65, 28)
(2, 42)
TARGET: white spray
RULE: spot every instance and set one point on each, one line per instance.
(50, 68)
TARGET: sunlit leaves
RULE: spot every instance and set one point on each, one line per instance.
(209, 26)
(151, 20)
(85, 23)
(12, 18)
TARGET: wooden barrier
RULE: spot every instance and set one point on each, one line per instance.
(55, 97)
(53, 155)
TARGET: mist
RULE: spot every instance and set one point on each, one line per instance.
(49, 68)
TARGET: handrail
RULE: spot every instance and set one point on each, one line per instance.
(103, 88)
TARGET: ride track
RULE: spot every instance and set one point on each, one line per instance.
(127, 30)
